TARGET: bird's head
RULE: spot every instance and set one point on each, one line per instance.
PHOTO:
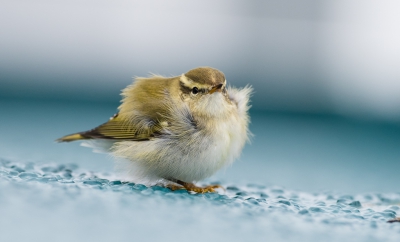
(204, 90)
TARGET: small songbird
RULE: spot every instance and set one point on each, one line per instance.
(175, 131)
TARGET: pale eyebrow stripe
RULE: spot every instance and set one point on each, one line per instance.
(185, 89)
(189, 83)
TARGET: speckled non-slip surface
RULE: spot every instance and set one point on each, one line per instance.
(65, 203)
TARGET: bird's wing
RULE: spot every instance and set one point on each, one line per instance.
(117, 129)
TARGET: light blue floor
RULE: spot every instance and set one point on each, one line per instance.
(303, 178)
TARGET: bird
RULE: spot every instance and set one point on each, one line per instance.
(175, 131)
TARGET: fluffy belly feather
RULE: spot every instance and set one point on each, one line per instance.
(188, 158)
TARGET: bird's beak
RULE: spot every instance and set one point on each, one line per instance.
(217, 88)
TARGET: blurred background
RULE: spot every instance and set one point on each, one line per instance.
(326, 75)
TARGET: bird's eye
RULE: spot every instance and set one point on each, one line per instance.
(195, 90)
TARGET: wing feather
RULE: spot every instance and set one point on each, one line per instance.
(116, 129)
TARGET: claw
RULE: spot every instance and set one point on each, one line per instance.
(174, 187)
(394, 220)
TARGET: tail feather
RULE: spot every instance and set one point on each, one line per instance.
(71, 137)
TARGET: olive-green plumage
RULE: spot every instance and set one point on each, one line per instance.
(144, 109)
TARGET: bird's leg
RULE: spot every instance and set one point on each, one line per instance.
(193, 188)
(190, 187)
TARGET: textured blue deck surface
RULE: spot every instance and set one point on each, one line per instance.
(64, 203)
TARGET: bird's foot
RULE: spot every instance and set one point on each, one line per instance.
(190, 187)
